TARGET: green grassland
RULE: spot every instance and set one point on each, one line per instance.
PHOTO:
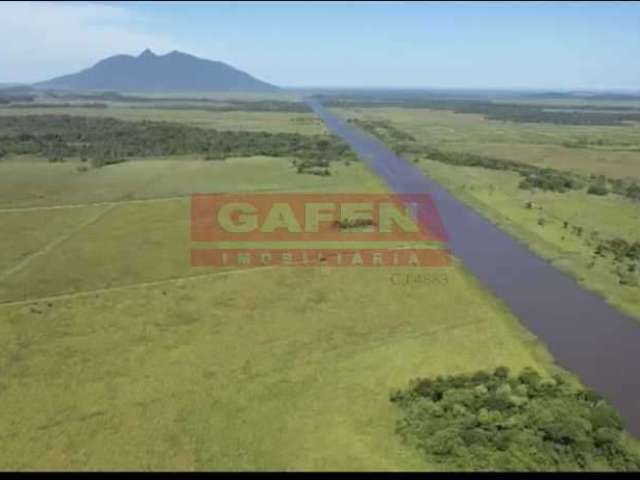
(116, 353)
(496, 194)
(28, 182)
(284, 96)
(539, 144)
(581, 102)
(287, 122)
(240, 371)
(139, 211)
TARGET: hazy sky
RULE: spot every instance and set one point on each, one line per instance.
(395, 44)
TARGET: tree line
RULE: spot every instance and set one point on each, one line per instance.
(534, 177)
(187, 103)
(109, 140)
(504, 111)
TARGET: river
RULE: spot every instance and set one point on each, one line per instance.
(584, 334)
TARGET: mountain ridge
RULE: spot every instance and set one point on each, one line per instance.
(148, 72)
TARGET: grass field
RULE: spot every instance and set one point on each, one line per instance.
(289, 122)
(284, 96)
(245, 371)
(496, 193)
(34, 182)
(538, 144)
(116, 353)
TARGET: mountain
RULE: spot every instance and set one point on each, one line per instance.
(148, 72)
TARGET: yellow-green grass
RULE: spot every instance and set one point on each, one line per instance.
(284, 96)
(287, 368)
(111, 360)
(539, 144)
(288, 122)
(26, 233)
(496, 194)
(112, 246)
(586, 161)
(573, 102)
(32, 183)
(126, 223)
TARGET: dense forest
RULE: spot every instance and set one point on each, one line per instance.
(499, 421)
(108, 140)
(513, 112)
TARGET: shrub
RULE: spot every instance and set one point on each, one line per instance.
(633, 191)
(598, 189)
(98, 162)
(628, 279)
(550, 180)
(501, 421)
(348, 224)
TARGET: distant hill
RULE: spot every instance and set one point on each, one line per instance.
(16, 93)
(148, 72)
(15, 89)
(586, 95)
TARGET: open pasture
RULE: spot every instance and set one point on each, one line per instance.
(117, 353)
(287, 122)
(496, 194)
(613, 151)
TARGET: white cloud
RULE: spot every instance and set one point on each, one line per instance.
(42, 40)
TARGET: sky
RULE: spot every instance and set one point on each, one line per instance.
(538, 45)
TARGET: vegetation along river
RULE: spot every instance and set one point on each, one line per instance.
(585, 334)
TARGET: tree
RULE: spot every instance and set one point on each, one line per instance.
(495, 421)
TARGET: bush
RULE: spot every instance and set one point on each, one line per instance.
(497, 421)
(599, 187)
(633, 191)
(550, 180)
(98, 162)
(628, 279)
(597, 190)
(348, 224)
(620, 249)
